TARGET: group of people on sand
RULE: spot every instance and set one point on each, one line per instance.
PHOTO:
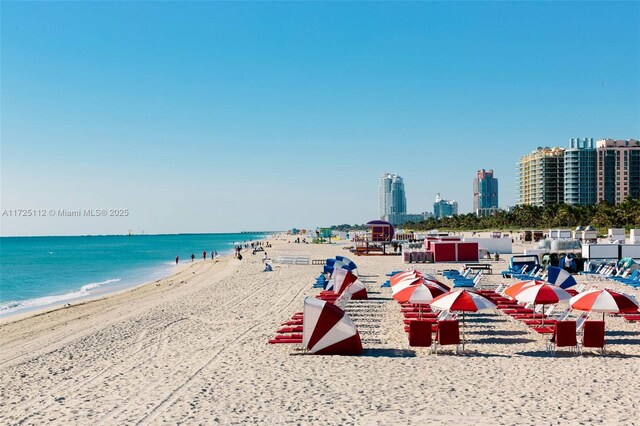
(256, 246)
(214, 254)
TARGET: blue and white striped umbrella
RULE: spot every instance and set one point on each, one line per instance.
(560, 277)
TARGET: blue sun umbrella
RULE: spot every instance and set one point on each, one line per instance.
(560, 277)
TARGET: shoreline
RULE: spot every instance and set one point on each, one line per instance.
(90, 298)
(101, 292)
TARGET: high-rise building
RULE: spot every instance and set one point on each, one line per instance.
(392, 199)
(618, 170)
(541, 177)
(485, 193)
(444, 208)
(580, 172)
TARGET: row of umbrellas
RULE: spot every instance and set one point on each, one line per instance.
(598, 300)
(418, 288)
(415, 287)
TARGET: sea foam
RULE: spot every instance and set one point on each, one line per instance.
(38, 302)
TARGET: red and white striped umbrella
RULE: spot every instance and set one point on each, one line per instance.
(420, 293)
(328, 330)
(407, 279)
(516, 288)
(462, 301)
(605, 301)
(403, 275)
(542, 294)
(407, 282)
(436, 283)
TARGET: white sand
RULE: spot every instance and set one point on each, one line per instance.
(193, 349)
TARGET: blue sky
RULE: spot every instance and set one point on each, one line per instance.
(213, 117)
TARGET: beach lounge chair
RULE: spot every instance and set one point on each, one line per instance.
(538, 321)
(491, 293)
(420, 334)
(448, 334)
(564, 336)
(454, 273)
(550, 329)
(468, 282)
(533, 314)
(593, 335)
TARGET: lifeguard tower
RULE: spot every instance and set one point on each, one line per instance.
(381, 233)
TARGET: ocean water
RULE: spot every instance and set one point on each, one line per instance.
(37, 272)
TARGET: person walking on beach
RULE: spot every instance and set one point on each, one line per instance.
(193, 257)
(211, 254)
(177, 259)
(204, 255)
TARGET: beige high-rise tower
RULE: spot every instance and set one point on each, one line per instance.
(540, 177)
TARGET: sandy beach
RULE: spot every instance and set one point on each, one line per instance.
(193, 349)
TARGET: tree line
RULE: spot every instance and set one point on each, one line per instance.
(601, 216)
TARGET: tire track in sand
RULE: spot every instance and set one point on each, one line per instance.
(173, 396)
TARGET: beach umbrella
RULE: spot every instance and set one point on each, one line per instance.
(461, 300)
(402, 275)
(438, 284)
(332, 264)
(339, 274)
(516, 288)
(605, 301)
(431, 280)
(409, 281)
(328, 330)
(419, 294)
(560, 277)
(343, 280)
(398, 285)
(350, 265)
(356, 290)
(542, 294)
(340, 279)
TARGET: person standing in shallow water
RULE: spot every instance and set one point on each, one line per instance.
(204, 255)
(193, 257)
(177, 259)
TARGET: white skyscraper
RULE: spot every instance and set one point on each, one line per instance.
(392, 199)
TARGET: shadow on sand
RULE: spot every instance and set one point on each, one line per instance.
(622, 333)
(474, 320)
(474, 354)
(389, 353)
(499, 332)
(503, 340)
(622, 341)
(568, 354)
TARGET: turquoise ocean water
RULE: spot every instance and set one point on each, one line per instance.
(37, 272)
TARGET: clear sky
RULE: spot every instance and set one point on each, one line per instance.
(214, 117)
